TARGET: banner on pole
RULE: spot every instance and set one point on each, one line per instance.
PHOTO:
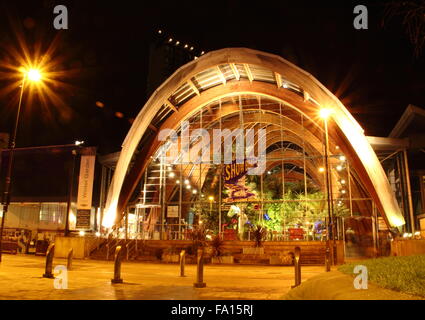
(85, 191)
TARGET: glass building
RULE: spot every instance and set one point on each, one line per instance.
(237, 139)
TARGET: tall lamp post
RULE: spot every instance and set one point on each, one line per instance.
(325, 114)
(28, 75)
(211, 199)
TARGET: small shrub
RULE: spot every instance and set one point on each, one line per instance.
(259, 234)
(199, 238)
(158, 253)
(217, 246)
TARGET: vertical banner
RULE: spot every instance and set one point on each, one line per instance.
(85, 191)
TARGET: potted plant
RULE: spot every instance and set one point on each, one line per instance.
(199, 237)
(259, 233)
(218, 255)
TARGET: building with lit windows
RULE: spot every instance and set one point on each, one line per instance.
(46, 184)
(322, 178)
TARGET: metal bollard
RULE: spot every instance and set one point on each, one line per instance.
(297, 267)
(328, 259)
(182, 262)
(117, 266)
(200, 271)
(49, 262)
(70, 257)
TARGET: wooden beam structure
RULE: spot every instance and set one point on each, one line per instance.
(235, 71)
(248, 72)
(344, 131)
(194, 88)
(278, 79)
(220, 74)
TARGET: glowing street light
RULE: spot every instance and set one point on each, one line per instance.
(31, 75)
(325, 113)
(79, 143)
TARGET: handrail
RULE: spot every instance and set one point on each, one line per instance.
(130, 246)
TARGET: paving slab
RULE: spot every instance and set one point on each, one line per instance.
(21, 278)
(335, 285)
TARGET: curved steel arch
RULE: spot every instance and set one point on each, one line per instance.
(344, 128)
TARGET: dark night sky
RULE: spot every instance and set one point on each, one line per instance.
(105, 56)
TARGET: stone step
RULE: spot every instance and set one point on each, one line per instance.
(252, 261)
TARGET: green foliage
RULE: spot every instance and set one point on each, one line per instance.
(199, 238)
(259, 234)
(217, 246)
(405, 274)
(295, 209)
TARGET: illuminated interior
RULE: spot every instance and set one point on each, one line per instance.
(247, 89)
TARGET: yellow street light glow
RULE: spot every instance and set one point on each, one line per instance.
(34, 75)
(211, 198)
(325, 113)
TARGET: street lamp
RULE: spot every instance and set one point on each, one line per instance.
(32, 75)
(325, 114)
(211, 199)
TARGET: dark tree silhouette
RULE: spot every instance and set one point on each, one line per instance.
(412, 14)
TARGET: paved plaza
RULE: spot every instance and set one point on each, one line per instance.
(21, 278)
